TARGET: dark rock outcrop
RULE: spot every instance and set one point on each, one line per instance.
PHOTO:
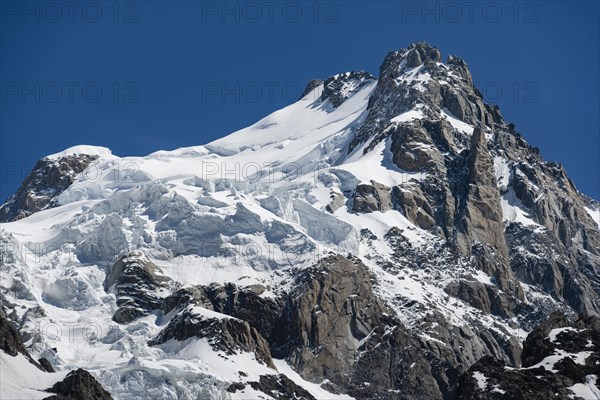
(481, 217)
(40, 189)
(556, 356)
(261, 313)
(310, 86)
(280, 387)
(339, 88)
(454, 191)
(45, 364)
(78, 385)
(243, 303)
(373, 197)
(337, 200)
(137, 283)
(229, 335)
(10, 340)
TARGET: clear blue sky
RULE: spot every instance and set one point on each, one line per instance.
(183, 73)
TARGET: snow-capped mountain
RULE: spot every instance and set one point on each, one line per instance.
(373, 240)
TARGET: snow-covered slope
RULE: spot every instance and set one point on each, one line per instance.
(22, 380)
(354, 167)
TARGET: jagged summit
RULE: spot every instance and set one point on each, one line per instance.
(416, 54)
(375, 239)
(415, 79)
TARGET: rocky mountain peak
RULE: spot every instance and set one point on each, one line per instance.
(420, 53)
(40, 189)
(415, 79)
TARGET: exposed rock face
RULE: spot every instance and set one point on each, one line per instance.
(334, 327)
(396, 94)
(391, 363)
(247, 304)
(558, 357)
(560, 253)
(137, 283)
(411, 148)
(422, 54)
(41, 187)
(481, 220)
(310, 86)
(415, 206)
(465, 172)
(329, 312)
(242, 303)
(457, 197)
(481, 296)
(10, 341)
(337, 200)
(80, 385)
(503, 384)
(474, 339)
(229, 335)
(280, 387)
(45, 364)
(373, 197)
(339, 88)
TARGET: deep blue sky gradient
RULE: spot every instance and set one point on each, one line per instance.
(182, 73)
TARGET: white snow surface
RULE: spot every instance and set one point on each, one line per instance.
(595, 214)
(481, 380)
(456, 122)
(587, 390)
(83, 149)
(20, 379)
(514, 211)
(557, 331)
